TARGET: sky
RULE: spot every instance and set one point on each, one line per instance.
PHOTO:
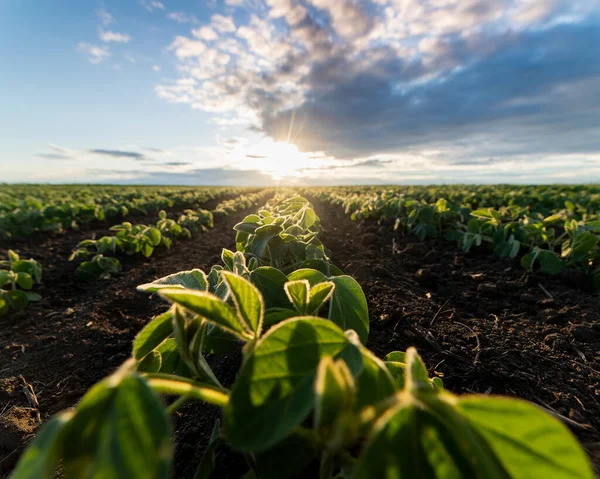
(300, 92)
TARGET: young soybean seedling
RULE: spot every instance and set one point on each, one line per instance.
(17, 278)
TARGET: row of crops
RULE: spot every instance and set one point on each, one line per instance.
(550, 228)
(309, 396)
(26, 209)
(99, 258)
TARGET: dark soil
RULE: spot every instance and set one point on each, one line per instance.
(481, 323)
(81, 332)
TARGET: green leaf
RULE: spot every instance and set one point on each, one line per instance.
(120, 429)
(153, 235)
(527, 441)
(193, 279)
(17, 299)
(152, 363)
(277, 315)
(318, 295)
(334, 392)
(42, 455)
(4, 307)
(348, 306)
(33, 297)
(276, 381)
(270, 282)
(313, 276)
(4, 278)
(147, 250)
(208, 306)
(24, 280)
(248, 300)
(154, 333)
(395, 449)
(227, 258)
(549, 262)
(298, 294)
(374, 383)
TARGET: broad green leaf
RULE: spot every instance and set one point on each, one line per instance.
(374, 383)
(348, 306)
(33, 297)
(276, 381)
(270, 282)
(396, 449)
(24, 280)
(318, 295)
(227, 258)
(154, 333)
(248, 301)
(17, 299)
(41, 457)
(528, 442)
(334, 392)
(153, 235)
(549, 262)
(193, 279)
(172, 362)
(298, 293)
(209, 307)
(147, 249)
(4, 278)
(152, 363)
(120, 429)
(313, 276)
(277, 315)
(246, 227)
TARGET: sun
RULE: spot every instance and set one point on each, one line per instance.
(279, 159)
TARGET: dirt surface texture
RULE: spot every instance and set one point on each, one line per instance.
(481, 323)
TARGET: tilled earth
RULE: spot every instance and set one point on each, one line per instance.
(481, 323)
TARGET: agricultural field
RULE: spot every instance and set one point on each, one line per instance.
(363, 331)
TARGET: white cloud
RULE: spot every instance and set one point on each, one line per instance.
(205, 33)
(152, 5)
(222, 24)
(95, 53)
(186, 48)
(105, 17)
(181, 17)
(109, 36)
(156, 68)
(130, 58)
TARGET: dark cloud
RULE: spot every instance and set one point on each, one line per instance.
(258, 157)
(120, 154)
(518, 83)
(53, 156)
(177, 163)
(153, 150)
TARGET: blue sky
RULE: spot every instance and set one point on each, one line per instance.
(300, 91)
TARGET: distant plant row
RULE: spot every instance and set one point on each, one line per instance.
(550, 228)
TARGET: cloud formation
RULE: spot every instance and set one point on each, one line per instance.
(95, 53)
(485, 78)
(135, 155)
